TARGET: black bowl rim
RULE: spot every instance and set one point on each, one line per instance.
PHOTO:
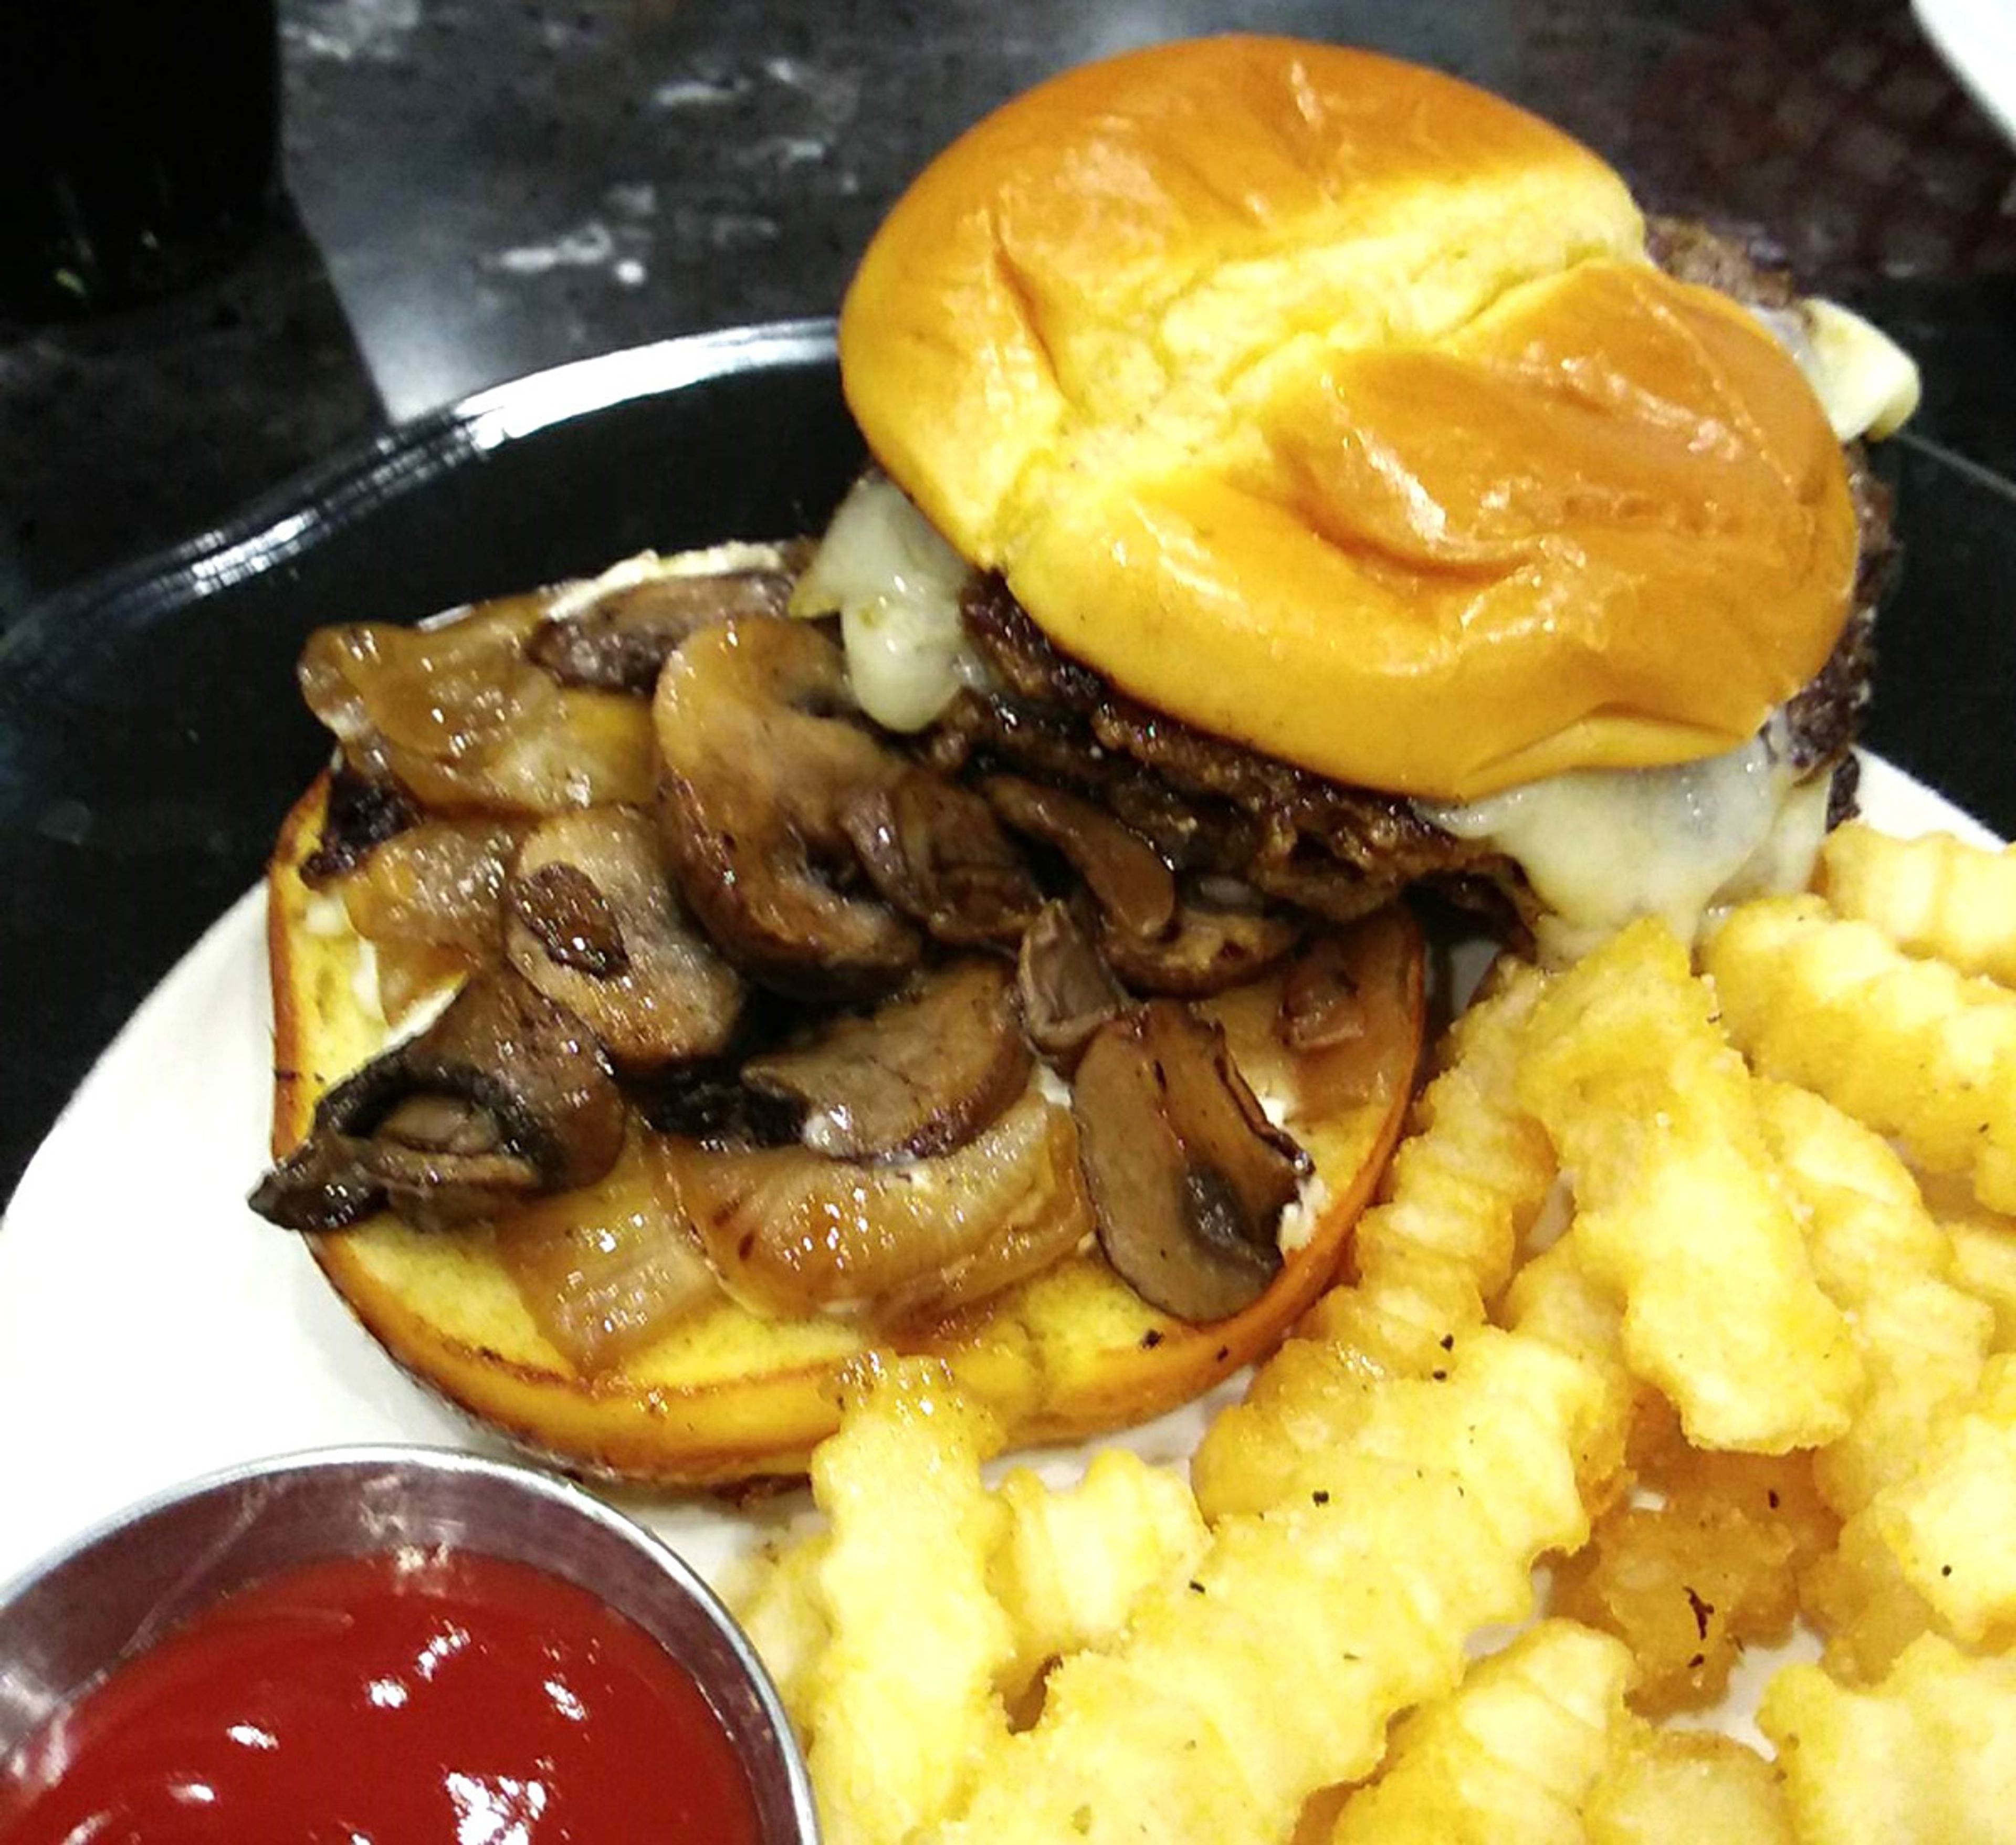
(324, 497)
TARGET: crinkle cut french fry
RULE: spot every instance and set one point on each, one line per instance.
(1677, 1208)
(1926, 1757)
(1908, 1048)
(1949, 1522)
(1512, 1752)
(1984, 1251)
(775, 1596)
(1857, 1596)
(1553, 1298)
(901, 1704)
(1331, 1407)
(1934, 895)
(1931, 1552)
(1704, 1564)
(1682, 1787)
(1985, 1264)
(1074, 1562)
(1879, 1255)
(1065, 1565)
(1273, 1670)
(1461, 1190)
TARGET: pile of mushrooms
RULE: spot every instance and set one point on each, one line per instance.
(734, 959)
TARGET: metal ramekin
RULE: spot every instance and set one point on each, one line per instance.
(118, 1588)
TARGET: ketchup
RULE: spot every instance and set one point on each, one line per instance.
(442, 1699)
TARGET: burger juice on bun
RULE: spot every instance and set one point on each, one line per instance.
(1297, 476)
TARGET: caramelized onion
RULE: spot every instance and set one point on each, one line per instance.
(1321, 1006)
(435, 885)
(791, 1233)
(460, 716)
(451, 693)
(605, 1271)
(1344, 1063)
(410, 973)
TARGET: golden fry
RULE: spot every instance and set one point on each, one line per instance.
(1984, 1252)
(1703, 1563)
(1553, 1298)
(1680, 1787)
(1073, 1563)
(1927, 1757)
(1273, 1670)
(1461, 1190)
(1676, 1206)
(1877, 1252)
(1512, 1752)
(1949, 1522)
(1933, 895)
(1931, 1552)
(1908, 1048)
(901, 1704)
(1335, 1410)
(1857, 1596)
(775, 1596)
(1066, 1566)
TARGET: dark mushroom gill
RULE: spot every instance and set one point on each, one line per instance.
(1188, 1179)
(504, 1097)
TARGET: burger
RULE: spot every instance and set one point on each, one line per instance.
(1298, 479)
(1351, 460)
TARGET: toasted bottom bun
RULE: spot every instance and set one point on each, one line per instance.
(727, 1396)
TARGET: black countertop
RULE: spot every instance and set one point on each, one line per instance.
(477, 189)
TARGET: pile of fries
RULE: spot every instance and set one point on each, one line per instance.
(1688, 1317)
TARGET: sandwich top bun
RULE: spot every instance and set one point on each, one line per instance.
(1332, 405)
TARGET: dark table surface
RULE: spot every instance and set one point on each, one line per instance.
(479, 189)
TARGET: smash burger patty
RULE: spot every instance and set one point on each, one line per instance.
(1219, 808)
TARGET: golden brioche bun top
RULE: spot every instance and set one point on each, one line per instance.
(1329, 404)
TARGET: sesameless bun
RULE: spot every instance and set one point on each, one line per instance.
(726, 1395)
(1331, 405)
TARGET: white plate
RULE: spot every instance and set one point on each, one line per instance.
(151, 1329)
(1978, 38)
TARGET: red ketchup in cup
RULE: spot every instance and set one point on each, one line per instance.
(415, 1699)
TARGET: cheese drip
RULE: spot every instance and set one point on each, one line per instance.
(1868, 384)
(895, 586)
(1603, 847)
